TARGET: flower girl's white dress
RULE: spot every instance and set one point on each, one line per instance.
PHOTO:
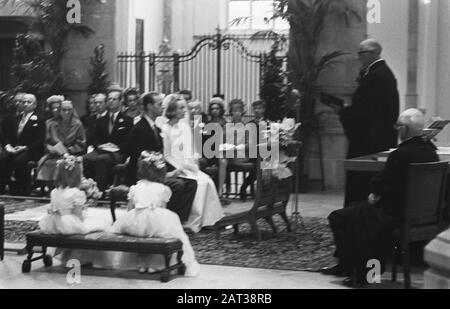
(150, 218)
(65, 214)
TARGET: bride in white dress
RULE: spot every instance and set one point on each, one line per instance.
(178, 151)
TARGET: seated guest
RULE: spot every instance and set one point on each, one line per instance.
(178, 152)
(91, 110)
(11, 120)
(148, 216)
(24, 143)
(364, 232)
(54, 107)
(240, 141)
(65, 136)
(198, 120)
(259, 111)
(100, 110)
(146, 136)
(216, 113)
(187, 94)
(131, 103)
(110, 142)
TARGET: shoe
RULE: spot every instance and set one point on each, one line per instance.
(225, 202)
(142, 270)
(336, 270)
(349, 282)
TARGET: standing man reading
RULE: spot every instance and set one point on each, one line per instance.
(369, 121)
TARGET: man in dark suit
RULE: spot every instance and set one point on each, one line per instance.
(364, 232)
(90, 121)
(369, 121)
(110, 142)
(24, 141)
(146, 136)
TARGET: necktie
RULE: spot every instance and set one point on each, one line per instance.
(111, 123)
(22, 124)
(155, 132)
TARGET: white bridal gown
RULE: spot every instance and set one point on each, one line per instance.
(206, 208)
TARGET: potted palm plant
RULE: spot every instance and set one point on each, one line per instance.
(307, 20)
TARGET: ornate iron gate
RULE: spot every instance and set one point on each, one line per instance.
(217, 65)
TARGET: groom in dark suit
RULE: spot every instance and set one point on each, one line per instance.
(146, 136)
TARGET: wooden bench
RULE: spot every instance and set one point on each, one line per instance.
(106, 242)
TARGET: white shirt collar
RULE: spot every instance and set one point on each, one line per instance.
(102, 115)
(373, 63)
(115, 115)
(150, 121)
(27, 116)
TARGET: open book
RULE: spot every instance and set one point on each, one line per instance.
(331, 101)
(435, 128)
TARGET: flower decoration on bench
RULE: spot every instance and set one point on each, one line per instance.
(154, 158)
(90, 188)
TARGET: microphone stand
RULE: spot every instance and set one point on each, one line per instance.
(296, 218)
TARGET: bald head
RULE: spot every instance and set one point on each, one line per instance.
(372, 46)
(413, 120)
(369, 52)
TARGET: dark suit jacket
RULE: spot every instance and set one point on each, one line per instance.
(89, 123)
(119, 135)
(369, 122)
(142, 137)
(33, 134)
(391, 183)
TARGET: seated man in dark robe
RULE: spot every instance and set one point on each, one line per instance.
(364, 232)
(146, 136)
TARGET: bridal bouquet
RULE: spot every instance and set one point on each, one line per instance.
(93, 194)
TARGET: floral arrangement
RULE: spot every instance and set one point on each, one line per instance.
(154, 158)
(283, 133)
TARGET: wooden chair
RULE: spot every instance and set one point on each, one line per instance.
(236, 168)
(423, 212)
(272, 196)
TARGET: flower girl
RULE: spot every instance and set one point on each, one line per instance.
(66, 214)
(68, 202)
(147, 215)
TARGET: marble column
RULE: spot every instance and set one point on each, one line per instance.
(411, 99)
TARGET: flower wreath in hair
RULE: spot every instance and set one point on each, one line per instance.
(69, 162)
(154, 158)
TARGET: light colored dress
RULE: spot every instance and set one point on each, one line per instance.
(69, 138)
(65, 217)
(178, 151)
(150, 218)
(65, 214)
